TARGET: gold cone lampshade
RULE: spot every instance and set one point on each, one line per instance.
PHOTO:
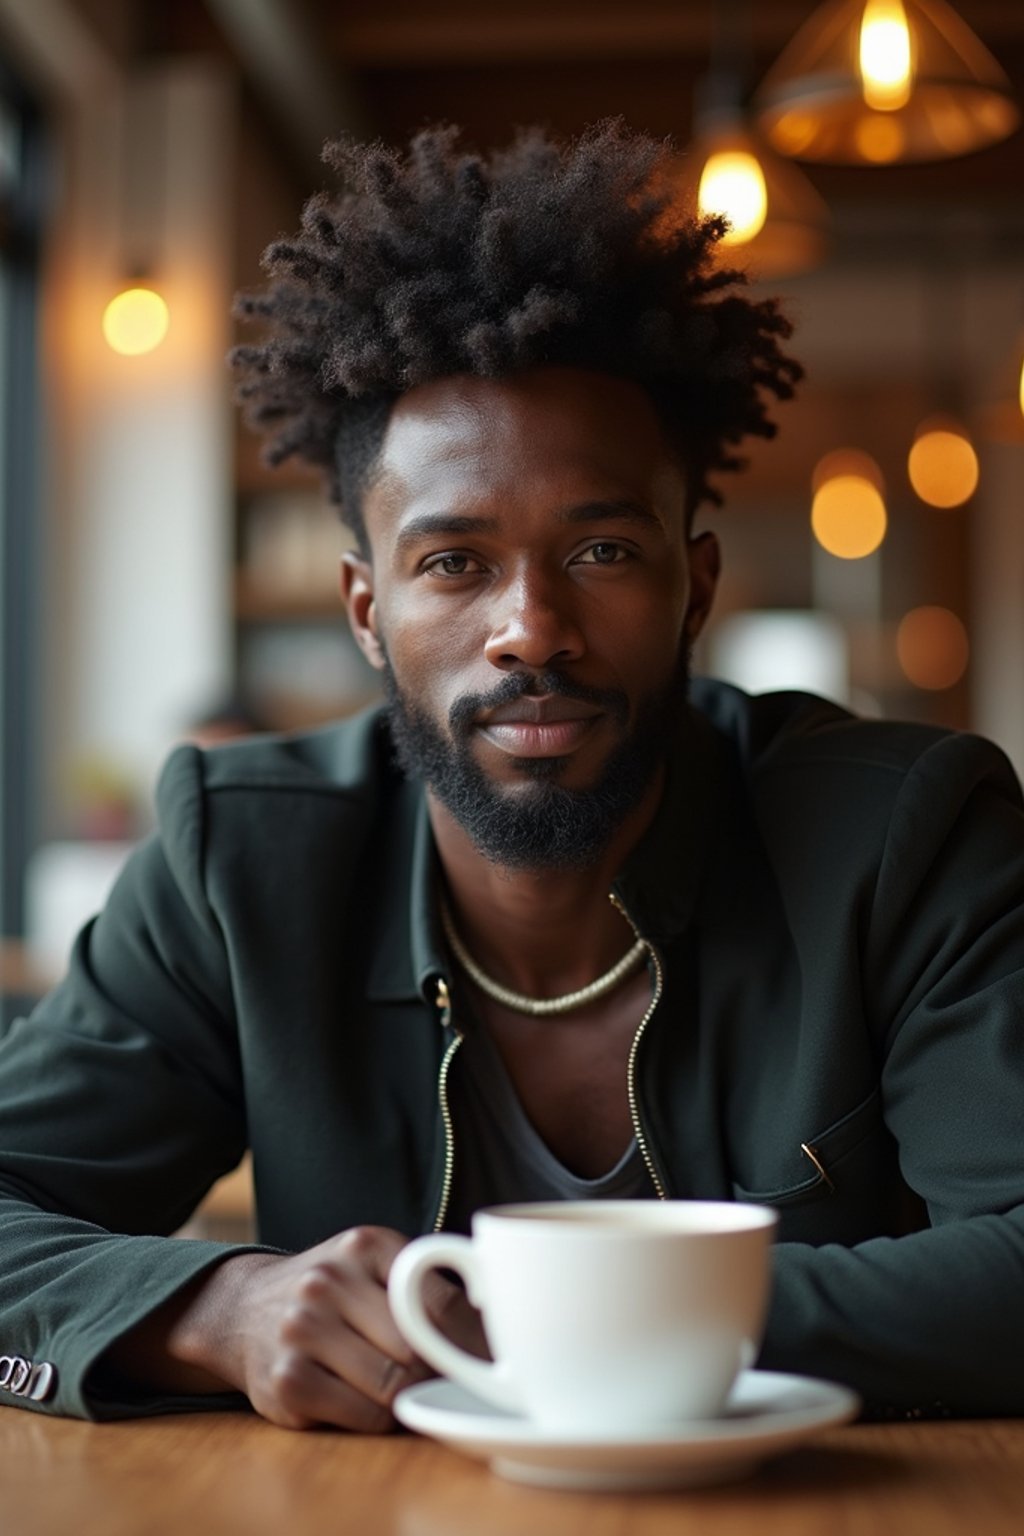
(876, 82)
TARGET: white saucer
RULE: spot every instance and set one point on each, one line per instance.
(767, 1413)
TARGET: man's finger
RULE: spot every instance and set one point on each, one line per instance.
(302, 1393)
(336, 1344)
(361, 1261)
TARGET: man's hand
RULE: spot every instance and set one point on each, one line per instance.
(316, 1341)
(309, 1338)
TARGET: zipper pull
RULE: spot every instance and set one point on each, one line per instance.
(812, 1154)
(443, 1003)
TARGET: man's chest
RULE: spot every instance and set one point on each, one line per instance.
(571, 1074)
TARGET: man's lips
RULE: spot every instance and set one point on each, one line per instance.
(545, 727)
(548, 709)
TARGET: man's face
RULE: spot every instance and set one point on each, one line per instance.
(531, 601)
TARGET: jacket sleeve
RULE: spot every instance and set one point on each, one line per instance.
(933, 1323)
(120, 1104)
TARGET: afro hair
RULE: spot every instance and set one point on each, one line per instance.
(439, 261)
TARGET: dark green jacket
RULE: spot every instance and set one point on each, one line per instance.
(839, 908)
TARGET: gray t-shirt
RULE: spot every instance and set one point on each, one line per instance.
(499, 1156)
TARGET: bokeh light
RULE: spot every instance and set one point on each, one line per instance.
(943, 465)
(136, 321)
(932, 647)
(848, 515)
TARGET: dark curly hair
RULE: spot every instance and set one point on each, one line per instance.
(440, 261)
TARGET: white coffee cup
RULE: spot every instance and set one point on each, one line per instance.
(602, 1316)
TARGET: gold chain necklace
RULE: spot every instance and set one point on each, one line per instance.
(539, 1007)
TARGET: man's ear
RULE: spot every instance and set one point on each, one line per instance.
(705, 561)
(356, 582)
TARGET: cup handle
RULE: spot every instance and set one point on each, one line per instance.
(405, 1294)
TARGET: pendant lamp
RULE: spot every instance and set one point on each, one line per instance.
(778, 223)
(877, 82)
(136, 319)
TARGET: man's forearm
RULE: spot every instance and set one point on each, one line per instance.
(924, 1324)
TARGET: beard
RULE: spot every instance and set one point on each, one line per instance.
(539, 825)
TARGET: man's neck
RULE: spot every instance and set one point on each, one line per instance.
(543, 932)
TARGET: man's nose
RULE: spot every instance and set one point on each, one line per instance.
(534, 624)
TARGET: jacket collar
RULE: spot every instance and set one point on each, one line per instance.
(410, 948)
(659, 884)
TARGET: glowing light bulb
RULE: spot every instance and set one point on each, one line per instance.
(1021, 392)
(943, 465)
(732, 183)
(886, 65)
(135, 321)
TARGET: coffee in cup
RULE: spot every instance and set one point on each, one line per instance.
(603, 1317)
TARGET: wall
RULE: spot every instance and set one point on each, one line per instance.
(141, 473)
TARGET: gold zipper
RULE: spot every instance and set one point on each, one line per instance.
(634, 1108)
(442, 1001)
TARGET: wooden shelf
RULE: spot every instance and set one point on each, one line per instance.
(286, 713)
(255, 605)
(20, 975)
(253, 476)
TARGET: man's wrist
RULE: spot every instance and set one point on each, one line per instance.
(193, 1344)
(205, 1330)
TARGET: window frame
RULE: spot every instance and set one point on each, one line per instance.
(22, 219)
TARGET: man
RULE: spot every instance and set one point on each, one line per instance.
(594, 932)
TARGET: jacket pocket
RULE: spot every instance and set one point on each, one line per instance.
(825, 1154)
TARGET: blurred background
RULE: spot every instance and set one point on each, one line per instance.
(157, 583)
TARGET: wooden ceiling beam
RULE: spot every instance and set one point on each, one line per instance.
(308, 91)
(59, 49)
(493, 38)
(390, 37)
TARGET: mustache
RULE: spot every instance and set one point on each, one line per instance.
(528, 685)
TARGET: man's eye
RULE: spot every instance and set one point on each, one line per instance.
(451, 565)
(604, 553)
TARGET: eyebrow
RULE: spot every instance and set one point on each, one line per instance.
(430, 524)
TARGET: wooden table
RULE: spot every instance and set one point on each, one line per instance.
(234, 1475)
